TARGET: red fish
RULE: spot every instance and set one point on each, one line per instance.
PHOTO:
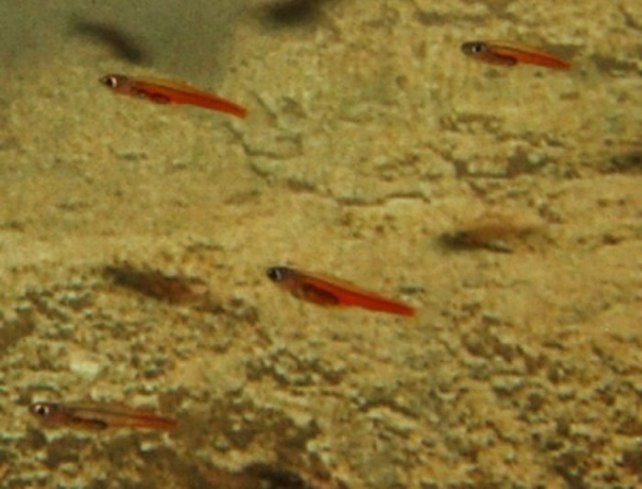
(509, 54)
(95, 416)
(331, 292)
(170, 92)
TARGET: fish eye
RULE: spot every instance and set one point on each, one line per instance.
(275, 273)
(110, 80)
(474, 47)
(41, 410)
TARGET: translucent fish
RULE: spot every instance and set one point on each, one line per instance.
(170, 92)
(95, 416)
(332, 292)
(509, 54)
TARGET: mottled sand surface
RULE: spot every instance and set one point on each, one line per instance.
(371, 141)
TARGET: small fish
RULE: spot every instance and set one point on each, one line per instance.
(170, 92)
(93, 416)
(332, 292)
(509, 54)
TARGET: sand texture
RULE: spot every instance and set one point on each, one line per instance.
(504, 203)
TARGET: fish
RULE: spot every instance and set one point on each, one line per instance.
(95, 416)
(333, 292)
(170, 92)
(510, 54)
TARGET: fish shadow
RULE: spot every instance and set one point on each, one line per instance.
(628, 162)
(122, 44)
(292, 13)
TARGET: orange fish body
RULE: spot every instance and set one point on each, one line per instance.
(509, 54)
(169, 92)
(94, 416)
(332, 292)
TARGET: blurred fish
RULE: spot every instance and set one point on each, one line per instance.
(170, 92)
(94, 416)
(332, 292)
(509, 54)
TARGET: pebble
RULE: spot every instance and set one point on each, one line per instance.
(80, 363)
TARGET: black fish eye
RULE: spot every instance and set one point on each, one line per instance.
(474, 47)
(275, 273)
(41, 410)
(110, 81)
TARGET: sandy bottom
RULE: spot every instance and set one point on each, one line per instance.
(503, 203)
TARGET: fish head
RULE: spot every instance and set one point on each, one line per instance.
(44, 410)
(474, 48)
(114, 81)
(279, 274)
